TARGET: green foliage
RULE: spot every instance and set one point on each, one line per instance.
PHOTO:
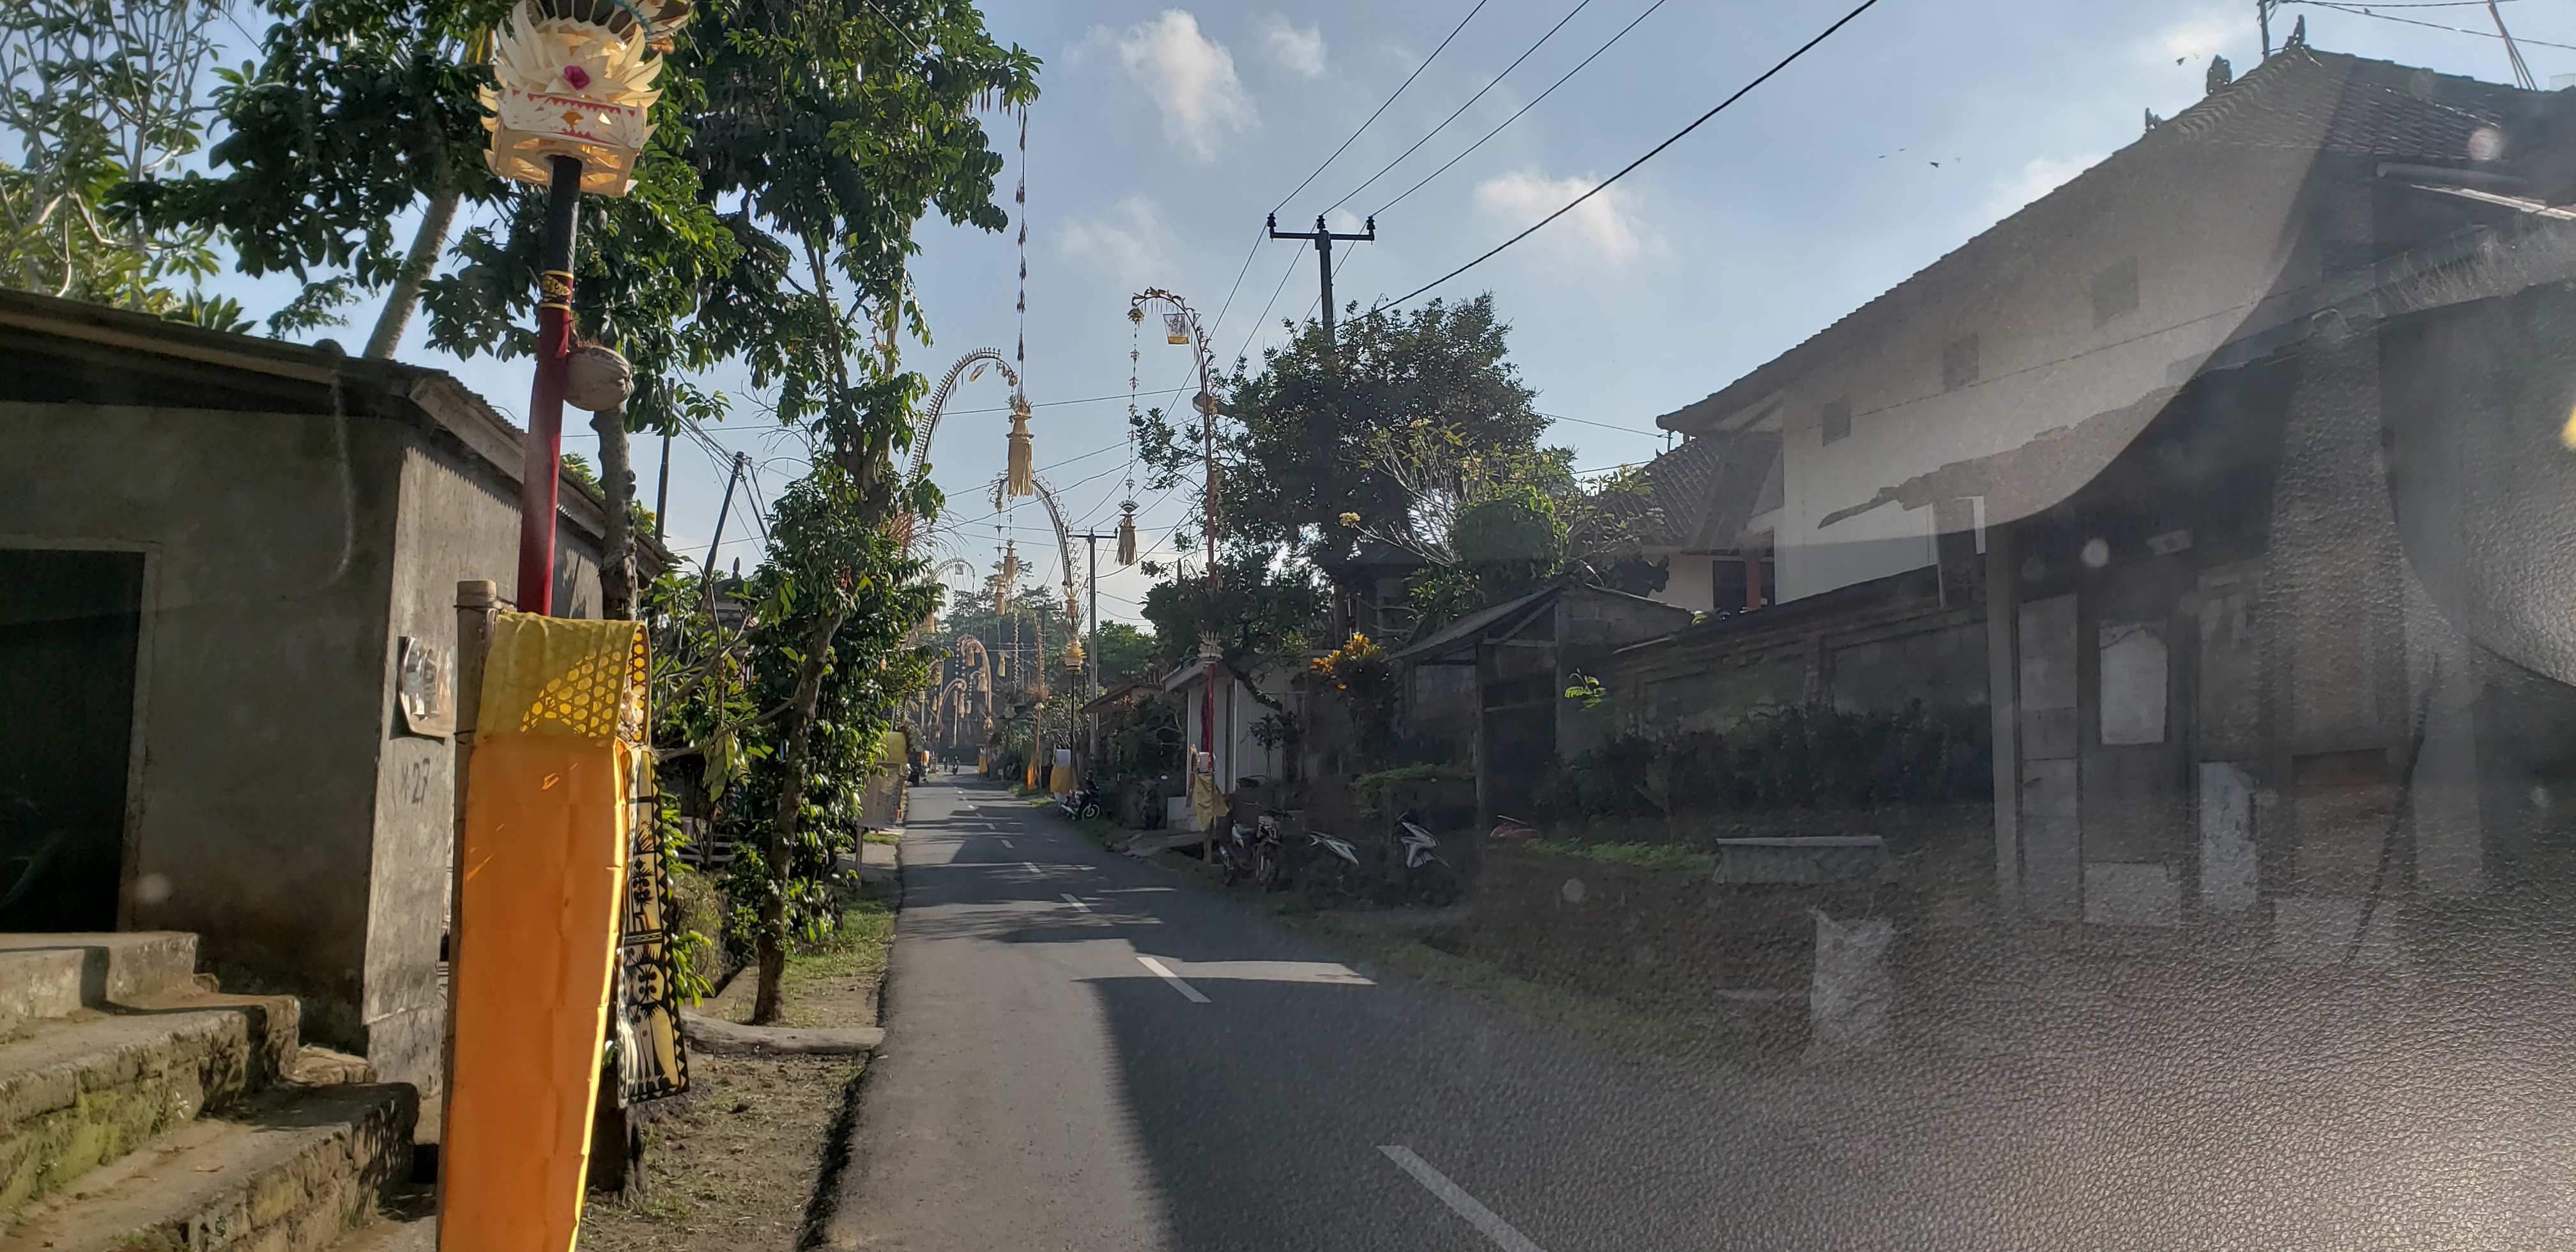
(354, 113)
(1265, 607)
(1142, 739)
(1364, 679)
(1368, 791)
(1300, 450)
(1125, 652)
(823, 561)
(797, 145)
(97, 93)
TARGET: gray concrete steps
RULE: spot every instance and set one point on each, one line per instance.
(293, 1170)
(122, 967)
(38, 983)
(81, 1091)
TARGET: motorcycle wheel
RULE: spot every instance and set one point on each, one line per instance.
(1265, 871)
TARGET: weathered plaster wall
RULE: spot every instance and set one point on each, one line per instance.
(264, 646)
(454, 523)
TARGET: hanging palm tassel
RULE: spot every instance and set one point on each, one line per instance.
(1072, 605)
(1023, 470)
(1127, 535)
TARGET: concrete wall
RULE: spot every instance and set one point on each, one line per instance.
(262, 655)
(455, 521)
(280, 809)
(1864, 649)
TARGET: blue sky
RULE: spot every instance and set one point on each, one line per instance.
(1166, 133)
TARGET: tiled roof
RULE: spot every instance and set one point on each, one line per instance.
(1703, 491)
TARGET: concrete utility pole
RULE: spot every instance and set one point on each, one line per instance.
(1091, 564)
(1323, 239)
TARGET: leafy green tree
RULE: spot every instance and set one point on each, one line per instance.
(832, 646)
(93, 94)
(1125, 652)
(1301, 448)
(1267, 607)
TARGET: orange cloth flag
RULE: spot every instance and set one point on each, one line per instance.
(558, 751)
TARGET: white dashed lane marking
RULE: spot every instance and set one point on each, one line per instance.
(1459, 1202)
(1160, 971)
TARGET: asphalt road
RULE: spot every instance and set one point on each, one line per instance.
(1084, 1053)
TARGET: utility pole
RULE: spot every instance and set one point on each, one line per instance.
(1091, 545)
(1323, 239)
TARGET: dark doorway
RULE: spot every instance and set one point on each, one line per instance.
(69, 624)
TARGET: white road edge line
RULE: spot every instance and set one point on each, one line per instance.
(1456, 1197)
(1164, 973)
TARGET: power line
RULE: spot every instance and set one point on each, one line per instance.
(2360, 11)
(1382, 107)
(1249, 335)
(1604, 184)
(1585, 421)
(1516, 116)
(1579, 6)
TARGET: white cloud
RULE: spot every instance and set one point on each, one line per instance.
(1603, 226)
(2196, 38)
(1302, 51)
(1129, 242)
(2038, 177)
(1190, 76)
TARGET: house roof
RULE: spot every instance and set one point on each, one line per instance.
(1474, 624)
(1704, 491)
(72, 352)
(2298, 98)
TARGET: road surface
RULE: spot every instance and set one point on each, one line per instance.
(1085, 1053)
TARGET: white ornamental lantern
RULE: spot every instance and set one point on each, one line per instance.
(575, 80)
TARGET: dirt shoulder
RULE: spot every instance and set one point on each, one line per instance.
(735, 1163)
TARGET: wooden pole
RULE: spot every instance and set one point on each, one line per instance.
(541, 469)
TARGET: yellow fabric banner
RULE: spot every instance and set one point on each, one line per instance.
(541, 867)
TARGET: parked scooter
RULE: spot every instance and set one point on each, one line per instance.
(1328, 870)
(1427, 877)
(1251, 852)
(1082, 802)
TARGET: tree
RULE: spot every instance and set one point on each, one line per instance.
(1125, 652)
(1301, 451)
(839, 602)
(1267, 606)
(97, 93)
(798, 143)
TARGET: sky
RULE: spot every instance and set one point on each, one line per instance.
(1163, 136)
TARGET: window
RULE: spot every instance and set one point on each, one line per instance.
(1959, 363)
(2115, 291)
(1836, 420)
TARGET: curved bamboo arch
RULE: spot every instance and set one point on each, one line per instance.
(939, 404)
(1055, 515)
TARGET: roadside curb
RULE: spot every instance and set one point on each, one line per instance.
(715, 1035)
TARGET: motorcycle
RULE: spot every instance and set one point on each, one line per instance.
(1330, 870)
(1428, 877)
(1251, 852)
(1082, 802)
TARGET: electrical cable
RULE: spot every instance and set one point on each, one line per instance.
(1604, 184)
(2362, 11)
(1532, 50)
(1516, 115)
(1382, 107)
